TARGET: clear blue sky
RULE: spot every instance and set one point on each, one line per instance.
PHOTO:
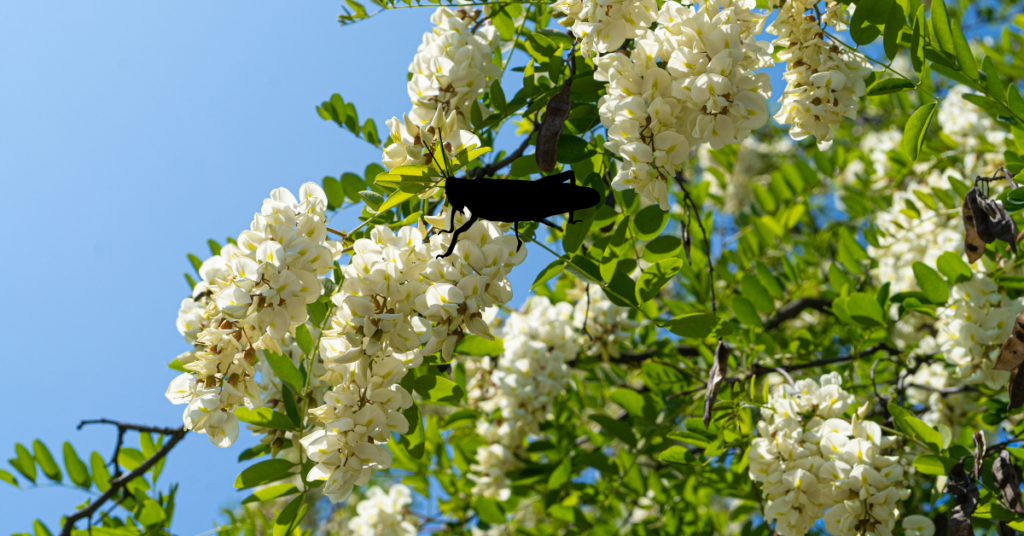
(130, 132)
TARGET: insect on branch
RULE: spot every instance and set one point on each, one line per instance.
(118, 483)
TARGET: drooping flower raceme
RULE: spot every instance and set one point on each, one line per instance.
(451, 70)
(384, 513)
(603, 26)
(972, 328)
(602, 326)
(950, 409)
(254, 295)
(689, 81)
(824, 81)
(521, 388)
(398, 302)
(811, 460)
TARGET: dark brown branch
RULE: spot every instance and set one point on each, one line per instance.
(761, 370)
(793, 309)
(117, 484)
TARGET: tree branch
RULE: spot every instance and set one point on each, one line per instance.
(493, 168)
(794, 308)
(117, 484)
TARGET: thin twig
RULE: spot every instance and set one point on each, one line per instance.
(118, 483)
(794, 308)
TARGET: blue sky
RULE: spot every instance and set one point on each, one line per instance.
(130, 132)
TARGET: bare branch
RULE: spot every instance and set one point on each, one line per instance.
(118, 483)
(794, 308)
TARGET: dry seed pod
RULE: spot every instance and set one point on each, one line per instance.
(1015, 388)
(1007, 476)
(974, 247)
(965, 490)
(550, 130)
(988, 221)
(1012, 354)
(715, 377)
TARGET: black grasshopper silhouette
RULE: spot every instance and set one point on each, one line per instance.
(512, 201)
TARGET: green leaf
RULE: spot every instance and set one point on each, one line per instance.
(617, 429)
(584, 269)
(650, 222)
(290, 516)
(285, 369)
(1016, 105)
(561, 475)
(254, 452)
(630, 400)
(769, 281)
(151, 514)
(679, 455)
(40, 529)
(304, 339)
(372, 199)
(100, 475)
(352, 184)
(621, 290)
(264, 417)
(9, 478)
(46, 462)
(77, 471)
(335, 192)
(893, 25)
(954, 268)
(547, 273)
(524, 166)
(745, 312)
(886, 86)
(24, 463)
(130, 458)
(497, 94)
(395, 199)
(752, 290)
(915, 427)
(459, 418)
(940, 27)
(864, 309)
(575, 233)
(661, 248)
(964, 55)
(655, 277)
(992, 82)
(438, 390)
(489, 510)
(933, 464)
(478, 346)
(915, 130)
(917, 43)
(317, 312)
(695, 325)
(932, 284)
(264, 472)
(271, 492)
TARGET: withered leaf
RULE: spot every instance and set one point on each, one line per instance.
(1012, 353)
(979, 453)
(1008, 475)
(1015, 388)
(715, 377)
(550, 130)
(990, 222)
(966, 492)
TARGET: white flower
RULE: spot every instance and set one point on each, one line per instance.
(824, 81)
(451, 70)
(603, 26)
(917, 525)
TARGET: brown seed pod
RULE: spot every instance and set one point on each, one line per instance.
(550, 130)
(715, 377)
(1015, 388)
(1012, 354)
(1007, 476)
(987, 221)
(974, 247)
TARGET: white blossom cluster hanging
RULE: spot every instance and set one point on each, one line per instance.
(451, 70)
(815, 464)
(397, 303)
(603, 26)
(824, 80)
(689, 81)
(253, 295)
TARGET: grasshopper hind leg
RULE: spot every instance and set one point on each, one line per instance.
(455, 211)
(455, 237)
(519, 241)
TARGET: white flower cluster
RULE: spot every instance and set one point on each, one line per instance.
(824, 81)
(876, 145)
(253, 295)
(689, 81)
(965, 123)
(810, 460)
(602, 325)
(972, 328)
(753, 161)
(451, 70)
(384, 513)
(603, 26)
(946, 409)
(397, 303)
(522, 388)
